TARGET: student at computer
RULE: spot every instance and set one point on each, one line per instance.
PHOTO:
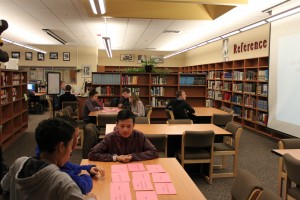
(40, 177)
(124, 144)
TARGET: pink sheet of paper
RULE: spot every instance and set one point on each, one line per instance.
(144, 175)
(120, 177)
(165, 188)
(119, 168)
(155, 168)
(146, 195)
(136, 167)
(120, 191)
(161, 178)
(140, 184)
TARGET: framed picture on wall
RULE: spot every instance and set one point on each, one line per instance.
(40, 56)
(158, 59)
(127, 57)
(66, 56)
(53, 55)
(86, 71)
(140, 58)
(28, 55)
(15, 54)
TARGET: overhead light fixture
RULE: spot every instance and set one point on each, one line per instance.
(49, 32)
(253, 25)
(213, 40)
(107, 46)
(23, 45)
(284, 14)
(101, 4)
(230, 34)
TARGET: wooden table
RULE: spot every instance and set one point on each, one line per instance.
(207, 112)
(185, 187)
(106, 110)
(172, 129)
(294, 152)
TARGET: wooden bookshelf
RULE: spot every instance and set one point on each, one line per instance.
(14, 110)
(241, 85)
(153, 89)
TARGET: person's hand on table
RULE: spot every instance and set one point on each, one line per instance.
(124, 158)
(97, 170)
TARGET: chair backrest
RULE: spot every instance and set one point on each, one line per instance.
(235, 130)
(148, 112)
(160, 143)
(221, 119)
(292, 168)
(179, 121)
(73, 104)
(268, 195)
(70, 110)
(90, 139)
(142, 120)
(49, 101)
(169, 114)
(63, 112)
(198, 139)
(290, 143)
(245, 186)
(107, 118)
(226, 109)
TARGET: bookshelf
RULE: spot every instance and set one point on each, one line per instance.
(241, 85)
(153, 89)
(13, 112)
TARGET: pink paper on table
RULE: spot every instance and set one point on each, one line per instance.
(120, 177)
(119, 168)
(139, 184)
(161, 178)
(120, 191)
(165, 188)
(136, 167)
(144, 175)
(155, 168)
(146, 195)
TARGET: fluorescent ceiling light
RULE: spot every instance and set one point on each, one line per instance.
(23, 45)
(230, 34)
(92, 3)
(213, 40)
(107, 46)
(253, 25)
(284, 14)
(201, 44)
(102, 6)
(49, 32)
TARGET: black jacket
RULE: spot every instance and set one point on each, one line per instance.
(181, 109)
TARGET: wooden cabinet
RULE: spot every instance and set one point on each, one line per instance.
(241, 85)
(153, 89)
(13, 112)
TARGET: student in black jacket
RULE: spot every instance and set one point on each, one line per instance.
(181, 109)
(67, 96)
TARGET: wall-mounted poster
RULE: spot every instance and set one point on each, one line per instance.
(53, 83)
(225, 50)
(86, 71)
(158, 59)
(140, 58)
(127, 57)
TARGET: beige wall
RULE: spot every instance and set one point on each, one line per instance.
(212, 53)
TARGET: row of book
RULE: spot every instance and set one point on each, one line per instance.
(106, 79)
(4, 97)
(263, 75)
(158, 80)
(129, 80)
(157, 91)
(105, 90)
(262, 89)
(192, 80)
(251, 75)
(262, 104)
(156, 102)
(135, 90)
(249, 101)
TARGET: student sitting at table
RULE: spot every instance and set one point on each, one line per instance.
(137, 106)
(67, 96)
(83, 180)
(124, 144)
(181, 109)
(40, 177)
(92, 104)
(124, 100)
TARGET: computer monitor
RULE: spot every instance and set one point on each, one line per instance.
(31, 86)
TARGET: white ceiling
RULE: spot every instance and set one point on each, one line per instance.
(69, 19)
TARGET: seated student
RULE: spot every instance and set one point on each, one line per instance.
(84, 181)
(40, 177)
(67, 96)
(137, 106)
(92, 104)
(124, 100)
(124, 144)
(56, 97)
(181, 109)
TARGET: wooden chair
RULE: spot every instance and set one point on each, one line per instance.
(142, 120)
(169, 114)
(268, 195)
(90, 139)
(229, 147)
(179, 121)
(50, 105)
(292, 168)
(197, 147)
(63, 112)
(226, 109)
(103, 119)
(160, 143)
(221, 120)
(148, 112)
(72, 108)
(246, 186)
(290, 143)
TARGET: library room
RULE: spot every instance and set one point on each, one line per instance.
(149, 99)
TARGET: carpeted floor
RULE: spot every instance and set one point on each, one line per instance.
(254, 155)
